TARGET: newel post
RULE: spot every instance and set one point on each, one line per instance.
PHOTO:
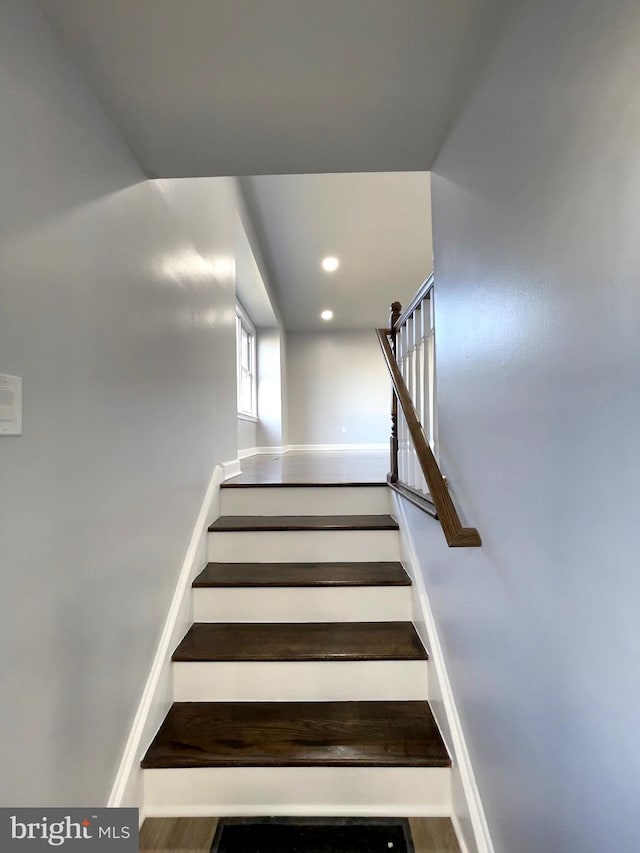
(396, 310)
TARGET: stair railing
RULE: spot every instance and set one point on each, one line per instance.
(408, 349)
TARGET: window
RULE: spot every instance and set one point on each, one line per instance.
(246, 364)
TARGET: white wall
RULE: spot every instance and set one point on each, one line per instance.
(338, 389)
(111, 313)
(536, 205)
(256, 293)
(270, 396)
(247, 434)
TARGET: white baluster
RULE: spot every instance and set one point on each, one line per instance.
(433, 422)
(417, 388)
(407, 438)
(411, 359)
(402, 427)
(421, 406)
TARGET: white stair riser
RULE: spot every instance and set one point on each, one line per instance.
(325, 500)
(339, 791)
(292, 546)
(302, 604)
(298, 681)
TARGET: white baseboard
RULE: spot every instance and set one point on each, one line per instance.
(460, 834)
(231, 468)
(262, 451)
(247, 452)
(157, 695)
(468, 816)
(333, 448)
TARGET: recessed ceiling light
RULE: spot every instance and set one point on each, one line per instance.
(330, 264)
(327, 315)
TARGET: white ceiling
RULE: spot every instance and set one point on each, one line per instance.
(244, 87)
(286, 90)
(377, 225)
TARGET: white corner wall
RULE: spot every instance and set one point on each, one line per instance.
(536, 205)
(338, 389)
(118, 316)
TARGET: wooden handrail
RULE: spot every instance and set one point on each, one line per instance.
(456, 535)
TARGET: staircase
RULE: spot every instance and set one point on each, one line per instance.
(301, 687)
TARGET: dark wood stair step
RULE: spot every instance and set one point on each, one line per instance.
(298, 734)
(305, 485)
(302, 574)
(236, 523)
(308, 641)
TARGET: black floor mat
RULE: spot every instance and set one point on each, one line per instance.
(312, 835)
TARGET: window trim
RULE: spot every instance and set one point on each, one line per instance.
(244, 323)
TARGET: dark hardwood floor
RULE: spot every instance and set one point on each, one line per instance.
(347, 467)
(433, 835)
(195, 835)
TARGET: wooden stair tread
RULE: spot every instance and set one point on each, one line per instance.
(298, 734)
(303, 485)
(308, 641)
(302, 574)
(236, 523)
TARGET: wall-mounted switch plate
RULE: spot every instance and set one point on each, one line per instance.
(10, 405)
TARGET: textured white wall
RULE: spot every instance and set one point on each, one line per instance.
(536, 205)
(336, 380)
(110, 311)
